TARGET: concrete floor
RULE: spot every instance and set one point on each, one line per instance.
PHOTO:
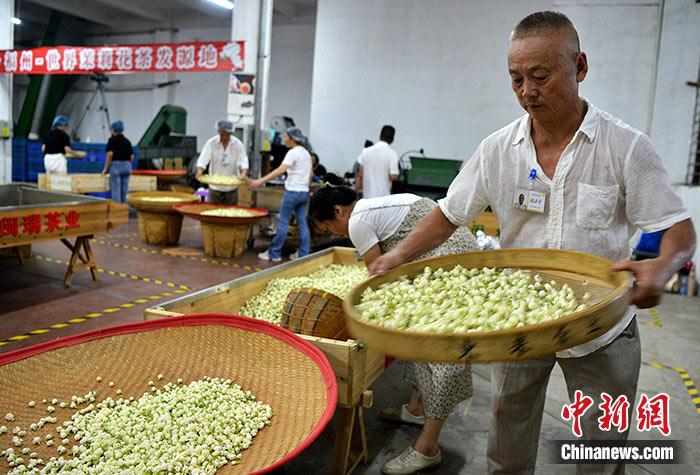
(135, 276)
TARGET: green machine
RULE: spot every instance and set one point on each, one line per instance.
(166, 139)
(430, 177)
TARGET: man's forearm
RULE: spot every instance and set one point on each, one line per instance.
(431, 231)
(677, 248)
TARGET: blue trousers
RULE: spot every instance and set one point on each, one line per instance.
(119, 172)
(293, 202)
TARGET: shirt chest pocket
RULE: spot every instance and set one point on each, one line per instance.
(595, 205)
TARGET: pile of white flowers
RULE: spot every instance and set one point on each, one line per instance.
(196, 428)
(162, 199)
(336, 279)
(232, 212)
(467, 300)
(227, 180)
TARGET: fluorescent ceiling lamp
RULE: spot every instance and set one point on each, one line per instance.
(223, 3)
(16, 20)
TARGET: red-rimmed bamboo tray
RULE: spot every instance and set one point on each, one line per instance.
(163, 176)
(609, 300)
(194, 210)
(280, 368)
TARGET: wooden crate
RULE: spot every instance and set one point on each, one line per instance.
(269, 197)
(142, 183)
(355, 366)
(74, 182)
(91, 182)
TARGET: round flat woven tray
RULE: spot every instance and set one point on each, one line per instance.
(582, 272)
(278, 367)
(212, 180)
(162, 175)
(195, 210)
(139, 201)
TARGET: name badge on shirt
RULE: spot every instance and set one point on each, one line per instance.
(225, 159)
(529, 200)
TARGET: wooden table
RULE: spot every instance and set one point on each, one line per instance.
(29, 215)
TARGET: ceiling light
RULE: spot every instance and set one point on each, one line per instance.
(223, 3)
(16, 20)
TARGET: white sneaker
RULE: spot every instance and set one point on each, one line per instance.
(411, 461)
(294, 256)
(402, 414)
(265, 256)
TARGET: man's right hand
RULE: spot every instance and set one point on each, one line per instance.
(385, 263)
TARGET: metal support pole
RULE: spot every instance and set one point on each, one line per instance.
(262, 81)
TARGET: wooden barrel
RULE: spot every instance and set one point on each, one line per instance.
(159, 228)
(314, 312)
(224, 240)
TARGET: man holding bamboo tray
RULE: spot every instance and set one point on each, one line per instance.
(564, 176)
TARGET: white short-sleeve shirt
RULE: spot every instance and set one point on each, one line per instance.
(378, 162)
(231, 160)
(298, 160)
(609, 181)
(376, 219)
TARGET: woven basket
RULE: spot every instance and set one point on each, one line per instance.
(314, 312)
(224, 240)
(582, 272)
(281, 369)
(159, 229)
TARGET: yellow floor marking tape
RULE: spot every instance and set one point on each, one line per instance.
(687, 382)
(114, 273)
(88, 316)
(156, 251)
(655, 319)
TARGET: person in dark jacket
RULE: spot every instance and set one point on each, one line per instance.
(118, 163)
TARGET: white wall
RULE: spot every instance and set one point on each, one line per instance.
(291, 67)
(202, 94)
(679, 62)
(437, 70)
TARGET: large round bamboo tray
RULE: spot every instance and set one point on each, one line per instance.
(159, 223)
(280, 368)
(163, 176)
(211, 180)
(314, 312)
(195, 210)
(583, 272)
(139, 201)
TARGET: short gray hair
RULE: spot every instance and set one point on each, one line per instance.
(225, 125)
(545, 22)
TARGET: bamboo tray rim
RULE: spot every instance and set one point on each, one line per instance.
(183, 208)
(193, 320)
(354, 295)
(207, 179)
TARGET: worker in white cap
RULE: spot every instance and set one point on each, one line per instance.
(56, 145)
(224, 154)
(297, 165)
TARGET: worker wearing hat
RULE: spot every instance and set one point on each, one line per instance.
(120, 154)
(224, 154)
(297, 166)
(56, 145)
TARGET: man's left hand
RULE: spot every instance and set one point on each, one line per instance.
(649, 281)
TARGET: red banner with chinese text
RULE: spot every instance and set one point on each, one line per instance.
(124, 59)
